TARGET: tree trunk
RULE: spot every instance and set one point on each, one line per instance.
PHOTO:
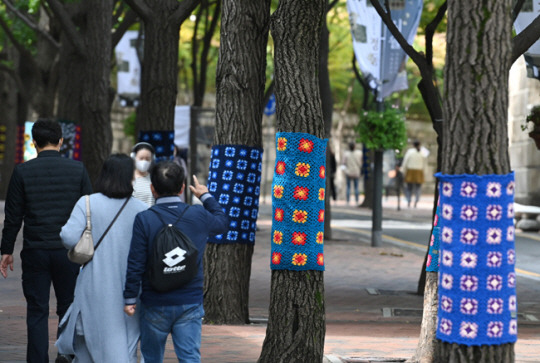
(159, 72)
(83, 89)
(475, 140)
(296, 324)
(425, 351)
(96, 104)
(327, 110)
(8, 124)
(239, 100)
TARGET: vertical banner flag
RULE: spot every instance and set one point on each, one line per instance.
(128, 69)
(379, 55)
(529, 12)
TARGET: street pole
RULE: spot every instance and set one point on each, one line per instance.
(376, 217)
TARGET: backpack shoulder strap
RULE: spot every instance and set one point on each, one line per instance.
(163, 221)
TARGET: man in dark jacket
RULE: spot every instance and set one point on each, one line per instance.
(42, 193)
(178, 311)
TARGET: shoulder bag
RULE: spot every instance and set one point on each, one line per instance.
(83, 251)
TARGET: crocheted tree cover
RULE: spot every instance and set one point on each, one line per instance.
(477, 280)
(234, 180)
(162, 141)
(432, 264)
(298, 191)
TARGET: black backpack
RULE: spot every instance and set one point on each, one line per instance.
(172, 262)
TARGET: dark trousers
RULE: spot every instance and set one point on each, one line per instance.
(40, 267)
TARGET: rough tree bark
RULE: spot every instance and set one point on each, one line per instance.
(84, 83)
(240, 94)
(296, 324)
(159, 73)
(478, 58)
(8, 122)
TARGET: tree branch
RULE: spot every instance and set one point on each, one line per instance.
(430, 31)
(140, 7)
(129, 19)
(517, 9)
(12, 37)
(67, 26)
(331, 5)
(416, 57)
(184, 10)
(525, 39)
(362, 82)
(32, 25)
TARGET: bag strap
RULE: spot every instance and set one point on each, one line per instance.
(110, 225)
(88, 220)
(161, 218)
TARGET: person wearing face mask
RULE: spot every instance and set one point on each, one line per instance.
(143, 153)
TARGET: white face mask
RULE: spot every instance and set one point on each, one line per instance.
(142, 165)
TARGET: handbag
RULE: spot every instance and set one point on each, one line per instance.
(83, 251)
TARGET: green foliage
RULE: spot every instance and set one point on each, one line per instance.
(129, 125)
(382, 130)
(533, 118)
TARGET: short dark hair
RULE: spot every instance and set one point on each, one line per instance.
(46, 131)
(167, 178)
(116, 177)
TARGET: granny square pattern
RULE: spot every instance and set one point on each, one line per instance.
(298, 192)
(234, 179)
(162, 141)
(477, 279)
(432, 264)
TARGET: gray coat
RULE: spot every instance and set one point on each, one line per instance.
(97, 310)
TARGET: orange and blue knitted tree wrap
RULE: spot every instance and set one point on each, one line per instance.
(477, 279)
(298, 192)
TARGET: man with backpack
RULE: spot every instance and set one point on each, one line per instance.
(166, 308)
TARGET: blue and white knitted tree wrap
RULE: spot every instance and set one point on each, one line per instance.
(298, 192)
(477, 280)
(432, 264)
(162, 141)
(234, 179)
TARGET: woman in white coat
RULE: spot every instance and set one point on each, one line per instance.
(95, 328)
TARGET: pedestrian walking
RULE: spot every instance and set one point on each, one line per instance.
(95, 329)
(414, 163)
(42, 193)
(179, 311)
(351, 165)
(144, 155)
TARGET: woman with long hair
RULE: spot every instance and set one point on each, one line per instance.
(95, 328)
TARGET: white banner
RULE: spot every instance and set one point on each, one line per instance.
(366, 27)
(377, 52)
(128, 66)
(182, 119)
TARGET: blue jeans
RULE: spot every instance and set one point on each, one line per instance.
(354, 181)
(184, 322)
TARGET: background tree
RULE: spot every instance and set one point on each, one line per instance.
(240, 93)
(84, 94)
(159, 73)
(296, 324)
(478, 58)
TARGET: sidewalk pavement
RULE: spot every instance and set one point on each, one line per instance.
(372, 311)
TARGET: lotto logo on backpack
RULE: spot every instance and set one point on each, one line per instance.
(173, 259)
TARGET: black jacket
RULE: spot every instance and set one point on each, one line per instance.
(42, 192)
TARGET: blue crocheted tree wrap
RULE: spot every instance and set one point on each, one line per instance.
(162, 141)
(432, 264)
(234, 179)
(298, 192)
(477, 280)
